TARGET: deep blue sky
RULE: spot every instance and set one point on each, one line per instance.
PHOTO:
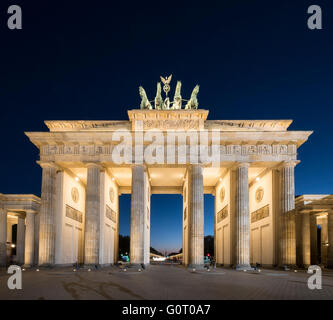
(85, 60)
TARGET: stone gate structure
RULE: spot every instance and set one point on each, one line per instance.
(248, 165)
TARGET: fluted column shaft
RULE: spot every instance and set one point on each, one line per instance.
(92, 218)
(330, 239)
(305, 239)
(36, 242)
(3, 237)
(138, 209)
(196, 216)
(29, 248)
(20, 240)
(314, 243)
(47, 216)
(287, 218)
(242, 215)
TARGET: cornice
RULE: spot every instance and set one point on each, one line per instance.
(249, 125)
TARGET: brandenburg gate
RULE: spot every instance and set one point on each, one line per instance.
(168, 148)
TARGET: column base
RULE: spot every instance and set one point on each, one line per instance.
(138, 266)
(91, 267)
(302, 266)
(196, 266)
(46, 266)
(244, 267)
(287, 267)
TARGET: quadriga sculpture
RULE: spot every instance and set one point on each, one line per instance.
(193, 102)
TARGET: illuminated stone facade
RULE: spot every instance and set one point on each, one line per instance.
(253, 183)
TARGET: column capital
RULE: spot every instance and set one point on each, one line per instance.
(45, 165)
(314, 213)
(31, 211)
(242, 165)
(286, 164)
(94, 165)
(142, 165)
(191, 166)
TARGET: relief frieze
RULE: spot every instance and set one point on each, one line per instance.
(222, 214)
(260, 214)
(74, 214)
(96, 150)
(111, 214)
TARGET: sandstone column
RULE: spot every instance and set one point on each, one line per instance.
(287, 218)
(305, 239)
(59, 218)
(330, 239)
(20, 240)
(196, 216)
(138, 215)
(29, 248)
(116, 246)
(36, 240)
(92, 218)
(47, 216)
(3, 237)
(242, 217)
(313, 235)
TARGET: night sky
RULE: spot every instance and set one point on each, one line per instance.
(78, 60)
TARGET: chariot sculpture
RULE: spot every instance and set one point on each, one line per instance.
(176, 104)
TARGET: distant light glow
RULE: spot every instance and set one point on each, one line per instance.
(159, 258)
(257, 178)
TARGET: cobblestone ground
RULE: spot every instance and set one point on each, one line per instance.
(163, 282)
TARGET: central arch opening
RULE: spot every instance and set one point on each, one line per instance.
(166, 223)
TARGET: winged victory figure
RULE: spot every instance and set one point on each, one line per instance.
(166, 81)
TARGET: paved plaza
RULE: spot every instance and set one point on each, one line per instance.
(164, 282)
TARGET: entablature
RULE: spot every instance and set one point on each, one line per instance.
(20, 202)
